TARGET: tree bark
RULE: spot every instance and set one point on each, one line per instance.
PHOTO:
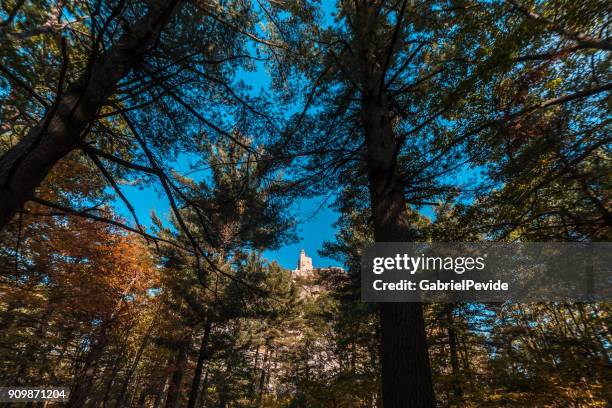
(64, 125)
(406, 373)
(197, 376)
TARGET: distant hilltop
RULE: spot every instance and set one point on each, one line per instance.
(305, 269)
(306, 275)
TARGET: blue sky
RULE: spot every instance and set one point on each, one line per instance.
(316, 219)
(314, 227)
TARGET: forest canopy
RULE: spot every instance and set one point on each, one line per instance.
(414, 120)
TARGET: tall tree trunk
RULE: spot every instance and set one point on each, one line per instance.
(454, 354)
(113, 372)
(223, 389)
(85, 377)
(197, 376)
(30, 351)
(64, 125)
(264, 368)
(160, 394)
(177, 375)
(204, 390)
(406, 373)
(134, 365)
(161, 388)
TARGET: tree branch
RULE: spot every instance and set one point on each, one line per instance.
(67, 211)
(398, 25)
(113, 183)
(584, 40)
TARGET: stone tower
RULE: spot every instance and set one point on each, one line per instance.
(307, 276)
(304, 266)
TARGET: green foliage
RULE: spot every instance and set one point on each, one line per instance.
(496, 127)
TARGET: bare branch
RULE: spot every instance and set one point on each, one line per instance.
(125, 163)
(113, 183)
(67, 211)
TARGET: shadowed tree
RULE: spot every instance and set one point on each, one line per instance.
(77, 103)
(402, 92)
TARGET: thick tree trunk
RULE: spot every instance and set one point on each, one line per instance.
(406, 373)
(197, 376)
(63, 127)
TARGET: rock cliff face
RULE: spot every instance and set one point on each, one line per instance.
(311, 285)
